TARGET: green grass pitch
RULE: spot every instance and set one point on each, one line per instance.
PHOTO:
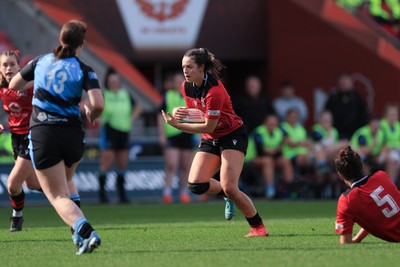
(301, 234)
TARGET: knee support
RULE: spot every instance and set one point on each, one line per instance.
(199, 188)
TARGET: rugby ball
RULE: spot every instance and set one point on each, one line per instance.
(194, 115)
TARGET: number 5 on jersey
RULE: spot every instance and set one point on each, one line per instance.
(380, 201)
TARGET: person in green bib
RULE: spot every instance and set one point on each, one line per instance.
(296, 145)
(120, 111)
(326, 144)
(265, 152)
(178, 146)
(368, 141)
(390, 126)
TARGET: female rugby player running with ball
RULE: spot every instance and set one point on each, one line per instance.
(224, 139)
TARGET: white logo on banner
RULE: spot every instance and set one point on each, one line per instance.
(162, 24)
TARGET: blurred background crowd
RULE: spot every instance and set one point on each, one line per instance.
(307, 77)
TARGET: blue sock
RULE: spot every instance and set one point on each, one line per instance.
(79, 223)
(75, 197)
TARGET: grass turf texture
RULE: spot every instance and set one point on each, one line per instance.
(301, 234)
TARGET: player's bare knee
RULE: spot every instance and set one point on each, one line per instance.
(199, 188)
(13, 191)
(230, 191)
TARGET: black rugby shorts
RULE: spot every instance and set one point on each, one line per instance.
(236, 140)
(50, 144)
(20, 143)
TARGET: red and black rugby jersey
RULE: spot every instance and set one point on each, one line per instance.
(18, 104)
(373, 203)
(213, 99)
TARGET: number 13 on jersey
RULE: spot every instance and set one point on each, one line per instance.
(56, 81)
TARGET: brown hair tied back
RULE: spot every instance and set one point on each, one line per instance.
(72, 36)
(201, 56)
(349, 164)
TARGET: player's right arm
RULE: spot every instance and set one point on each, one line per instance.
(344, 221)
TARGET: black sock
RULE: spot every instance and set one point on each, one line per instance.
(86, 230)
(121, 188)
(18, 202)
(102, 180)
(255, 220)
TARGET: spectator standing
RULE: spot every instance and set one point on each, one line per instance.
(348, 107)
(120, 111)
(254, 104)
(288, 100)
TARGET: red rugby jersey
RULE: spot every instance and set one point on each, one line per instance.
(18, 104)
(373, 203)
(213, 99)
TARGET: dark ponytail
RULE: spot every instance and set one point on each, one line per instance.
(202, 56)
(349, 164)
(72, 36)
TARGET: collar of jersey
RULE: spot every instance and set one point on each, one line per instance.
(358, 181)
(204, 81)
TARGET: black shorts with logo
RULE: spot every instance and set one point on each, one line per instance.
(20, 143)
(50, 144)
(236, 140)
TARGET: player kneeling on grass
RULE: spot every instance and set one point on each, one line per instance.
(372, 202)
(224, 139)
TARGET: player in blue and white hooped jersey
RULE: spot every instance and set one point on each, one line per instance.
(56, 135)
